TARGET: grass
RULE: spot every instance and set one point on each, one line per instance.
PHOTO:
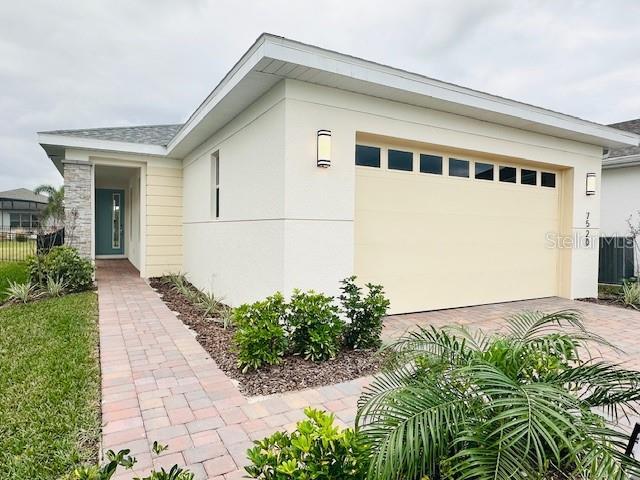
(13, 251)
(14, 272)
(49, 387)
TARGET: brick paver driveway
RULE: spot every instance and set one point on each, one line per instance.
(159, 384)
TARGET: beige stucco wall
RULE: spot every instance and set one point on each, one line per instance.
(326, 197)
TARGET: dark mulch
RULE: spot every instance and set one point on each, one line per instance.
(294, 373)
(605, 300)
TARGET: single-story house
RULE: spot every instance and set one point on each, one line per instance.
(305, 165)
(620, 200)
(21, 210)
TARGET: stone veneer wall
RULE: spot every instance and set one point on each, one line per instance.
(77, 203)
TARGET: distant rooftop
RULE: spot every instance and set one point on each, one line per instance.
(23, 194)
(146, 134)
(628, 126)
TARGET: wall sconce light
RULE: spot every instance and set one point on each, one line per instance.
(591, 183)
(324, 148)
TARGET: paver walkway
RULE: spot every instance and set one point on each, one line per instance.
(158, 383)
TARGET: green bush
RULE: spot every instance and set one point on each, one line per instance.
(260, 338)
(126, 461)
(314, 326)
(630, 294)
(520, 404)
(316, 449)
(364, 329)
(62, 263)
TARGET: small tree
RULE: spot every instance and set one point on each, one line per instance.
(634, 232)
(54, 211)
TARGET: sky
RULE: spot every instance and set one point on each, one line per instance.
(97, 63)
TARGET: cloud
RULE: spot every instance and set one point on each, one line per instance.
(74, 64)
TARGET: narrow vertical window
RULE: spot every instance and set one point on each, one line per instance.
(215, 185)
(115, 221)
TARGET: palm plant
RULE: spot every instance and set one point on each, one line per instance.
(54, 211)
(523, 404)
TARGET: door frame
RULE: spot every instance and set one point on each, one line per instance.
(123, 232)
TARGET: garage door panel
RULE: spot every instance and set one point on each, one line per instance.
(437, 242)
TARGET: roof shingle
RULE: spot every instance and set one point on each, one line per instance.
(24, 195)
(629, 126)
(146, 134)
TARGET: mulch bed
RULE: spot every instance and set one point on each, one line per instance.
(609, 301)
(294, 373)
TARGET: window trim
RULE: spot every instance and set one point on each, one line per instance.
(410, 152)
(215, 185)
(456, 159)
(493, 171)
(515, 177)
(432, 155)
(380, 155)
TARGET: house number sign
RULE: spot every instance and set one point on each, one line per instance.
(587, 224)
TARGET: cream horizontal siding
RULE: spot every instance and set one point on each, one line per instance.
(164, 219)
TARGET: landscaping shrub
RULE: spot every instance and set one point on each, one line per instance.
(520, 404)
(364, 329)
(314, 326)
(123, 459)
(630, 295)
(316, 449)
(63, 263)
(260, 338)
(20, 292)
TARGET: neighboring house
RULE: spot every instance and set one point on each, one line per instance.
(304, 166)
(21, 210)
(620, 200)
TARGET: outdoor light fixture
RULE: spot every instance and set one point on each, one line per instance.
(591, 183)
(324, 148)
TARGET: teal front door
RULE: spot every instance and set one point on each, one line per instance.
(109, 222)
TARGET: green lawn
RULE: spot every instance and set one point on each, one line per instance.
(12, 251)
(11, 271)
(49, 387)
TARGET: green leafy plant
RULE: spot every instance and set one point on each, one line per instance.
(315, 450)
(314, 326)
(630, 295)
(260, 338)
(55, 287)
(364, 328)
(123, 459)
(517, 405)
(205, 301)
(64, 263)
(54, 211)
(20, 292)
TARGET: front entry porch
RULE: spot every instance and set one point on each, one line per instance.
(117, 213)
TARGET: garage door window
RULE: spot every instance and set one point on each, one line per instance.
(399, 160)
(528, 177)
(508, 174)
(367, 156)
(430, 164)
(484, 171)
(458, 168)
(548, 179)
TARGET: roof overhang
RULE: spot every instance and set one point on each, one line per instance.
(271, 59)
(620, 162)
(55, 145)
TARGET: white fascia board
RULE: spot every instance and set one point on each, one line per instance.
(314, 57)
(105, 145)
(268, 46)
(248, 61)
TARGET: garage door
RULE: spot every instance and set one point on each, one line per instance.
(442, 239)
